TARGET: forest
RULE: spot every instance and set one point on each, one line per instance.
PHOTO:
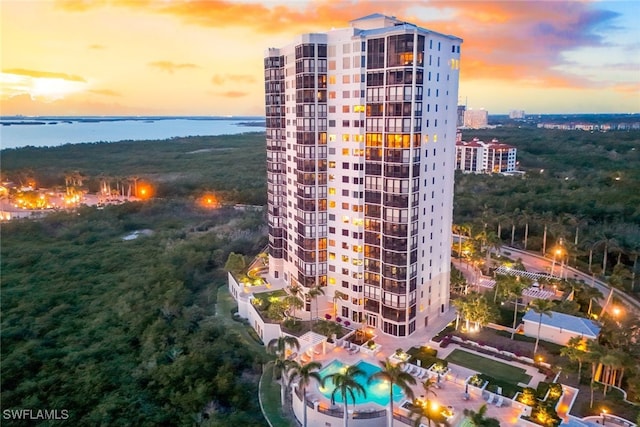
(575, 182)
(123, 332)
(232, 165)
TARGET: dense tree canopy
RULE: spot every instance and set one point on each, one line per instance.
(122, 332)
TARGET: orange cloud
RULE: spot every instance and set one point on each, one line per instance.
(220, 79)
(171, 67)
(44, 74)
(522, 42)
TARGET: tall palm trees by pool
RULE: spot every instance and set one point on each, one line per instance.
(281, 365)
(394, 374)
(304, 374)
(346, 385)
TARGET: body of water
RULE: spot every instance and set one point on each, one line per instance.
(377, 391)
(18, 132)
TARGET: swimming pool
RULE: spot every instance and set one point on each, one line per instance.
(377, 391)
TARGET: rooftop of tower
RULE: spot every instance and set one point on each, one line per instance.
(378, 23)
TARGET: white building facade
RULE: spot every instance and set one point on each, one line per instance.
(485, 157)
(361, 128)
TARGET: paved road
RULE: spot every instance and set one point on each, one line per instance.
(537, 263)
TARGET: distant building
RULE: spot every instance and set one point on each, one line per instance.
(476, 119)
(481, 157)
(559, 328)
(461, 110)
(516, 114)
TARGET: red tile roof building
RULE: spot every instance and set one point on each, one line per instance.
(477, 156)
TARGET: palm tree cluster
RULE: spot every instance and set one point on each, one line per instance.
(296, 298)
(577, 241)
(475, 308)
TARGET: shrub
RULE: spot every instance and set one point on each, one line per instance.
(476, 381)
(528, 396)
(555, 392)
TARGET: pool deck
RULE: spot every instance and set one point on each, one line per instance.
(452, 390)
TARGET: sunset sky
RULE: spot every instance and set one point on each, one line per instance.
(164, 57)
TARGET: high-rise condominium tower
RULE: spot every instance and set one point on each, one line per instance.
(361, 128)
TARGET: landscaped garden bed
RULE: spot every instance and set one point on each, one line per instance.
(543, 402)
(500, 386)
(424, 356)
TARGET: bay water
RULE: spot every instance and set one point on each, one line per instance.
(16, 132)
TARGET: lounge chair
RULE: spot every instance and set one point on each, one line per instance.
(405, 368)
(490, 399)
(500, 401)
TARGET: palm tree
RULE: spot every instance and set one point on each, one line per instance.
(479, 418)
(336, 296)
(475, 308)
(460, 229)
(613, 361)
(304, 374)
(608, 241)
(514, 220)
(314, 293)
(294, 302)
(590, 293)
(493, 242)
(595, 352)
(542, 307)
(135, 180)
(278, 347)
(346, 385)
(526, 218)
(394, 375)
(511, 287)
(576, 352)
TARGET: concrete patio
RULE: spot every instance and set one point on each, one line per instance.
(452, 386)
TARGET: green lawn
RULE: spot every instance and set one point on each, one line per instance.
(490, 367)
(270, 397)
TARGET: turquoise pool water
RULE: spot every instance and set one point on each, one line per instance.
(377, 391)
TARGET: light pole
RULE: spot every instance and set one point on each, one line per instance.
(557, 252)
(603, 414)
